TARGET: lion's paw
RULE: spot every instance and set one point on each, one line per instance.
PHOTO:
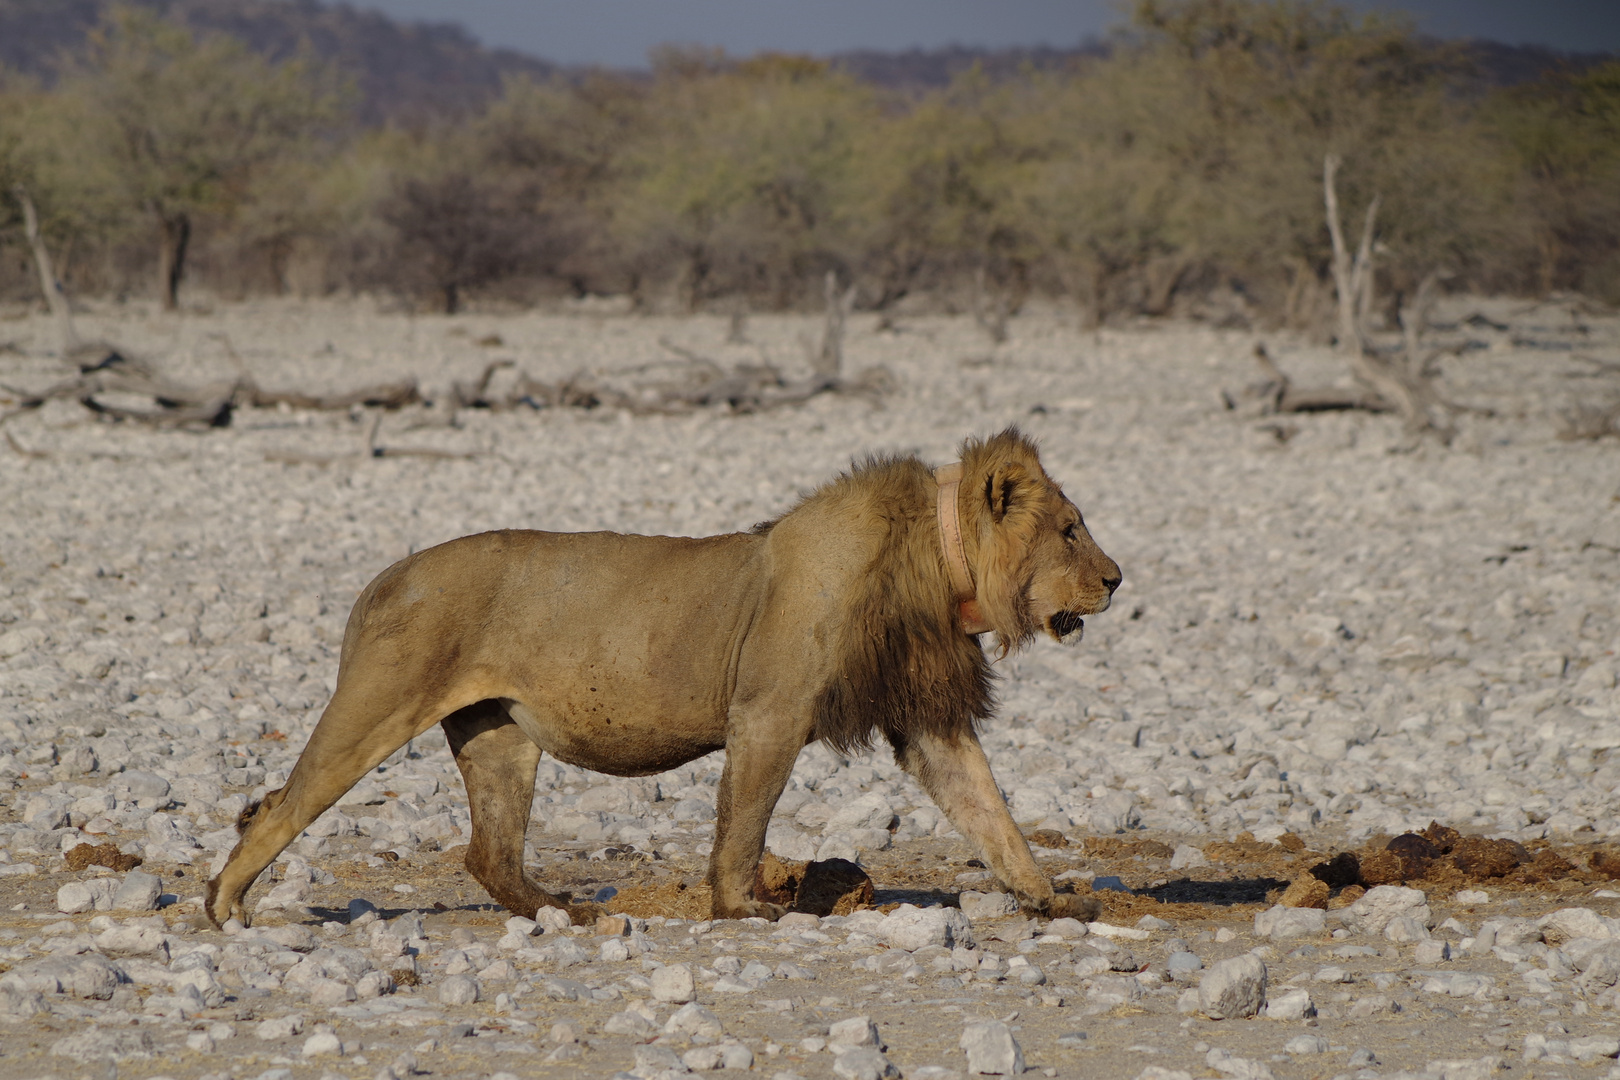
(585, 914)
(1071, 906)
(751, 909)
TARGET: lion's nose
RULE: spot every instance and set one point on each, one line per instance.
(1113, 580)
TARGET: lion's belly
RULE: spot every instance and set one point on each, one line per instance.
(623, 742)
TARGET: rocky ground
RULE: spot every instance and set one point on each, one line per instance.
(1327, 639)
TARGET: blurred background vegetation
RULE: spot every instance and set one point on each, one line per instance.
(1178, 169)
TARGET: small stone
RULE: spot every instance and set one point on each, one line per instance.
(138, 892)
(1281, 923)
(133, 941)
(1233, 988)
(554, 920)
(98, 1044)
(1374, 910)
(80, 896)
(864, 1063)
(1183, 963)
(702, 1058)
(652, 1059)
(625, 1023)
(1186, 857)
(855, 1031)
(911, 928)
(991, 1049)
(331, 992)
(322, 1042)
(458, 990)
(673, 983)
(20, 1003)
(612, 926)
(1068, 929)
(1403, 929)
(995, 905)
(1306, 1044)
(694, 1020)
(1431, 951)
(736, 1056)
(281, 1027)
(1293, 1005)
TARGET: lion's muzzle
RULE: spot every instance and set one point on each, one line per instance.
(1066, 623)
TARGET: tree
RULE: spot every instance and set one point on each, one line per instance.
(743, 173)
(187, 123)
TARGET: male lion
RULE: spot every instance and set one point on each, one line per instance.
(849, 616)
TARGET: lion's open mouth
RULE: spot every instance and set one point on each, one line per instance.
(1065, 623)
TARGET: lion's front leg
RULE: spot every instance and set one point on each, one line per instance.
(956, 775)
(759, 758)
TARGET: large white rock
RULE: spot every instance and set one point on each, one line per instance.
(1233, 988)
(855, 1031)
(693, 1020)
(138, 892)
(864, 1063)
(1372, 912)
(911, 928)
(1566, 924)
(991, 1049)
(991, 905)
(133, 941)
(673, 983)
(1294, 1005)
(459, 990)
(869, 811)
(1280, 923)
(95, 894)
(87, 975)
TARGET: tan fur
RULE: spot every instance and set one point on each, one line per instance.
(633, 654)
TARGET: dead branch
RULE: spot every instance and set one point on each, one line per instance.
(1597, 362)
(11, 440)
(107, 388)
(55, 298)
(1276, 393)
(1414, 320)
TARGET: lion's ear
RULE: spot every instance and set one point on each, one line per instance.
(1004, 488)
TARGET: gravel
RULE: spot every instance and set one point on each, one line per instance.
(1323, 631)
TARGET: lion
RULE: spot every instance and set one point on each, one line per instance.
(855, 614)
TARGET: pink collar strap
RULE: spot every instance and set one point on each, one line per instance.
(949, 479)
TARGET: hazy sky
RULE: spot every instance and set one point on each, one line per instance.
(618, 33)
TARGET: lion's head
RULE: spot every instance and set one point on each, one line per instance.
(1035, 565)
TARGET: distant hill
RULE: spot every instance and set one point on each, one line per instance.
(922, 69)
(413, 71)
(405, 71)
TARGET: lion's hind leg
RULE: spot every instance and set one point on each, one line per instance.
(497, 763)
(347, 743)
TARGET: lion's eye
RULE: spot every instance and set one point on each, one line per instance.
(1068, 531)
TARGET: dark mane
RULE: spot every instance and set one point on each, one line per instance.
(905, 666)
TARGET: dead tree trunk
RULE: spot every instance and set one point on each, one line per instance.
(55, 297)
(829, 363)
(1352, 277)
(176, 239)
(1412, 396)
(989, 312)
